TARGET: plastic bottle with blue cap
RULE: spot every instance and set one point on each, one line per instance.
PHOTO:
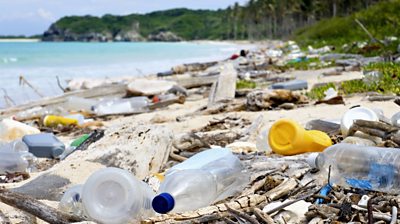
(363, 167)
(205, 178)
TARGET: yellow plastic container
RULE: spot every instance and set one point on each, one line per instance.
(54, 121)
(287, 137)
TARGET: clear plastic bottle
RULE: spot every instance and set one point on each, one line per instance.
(190, 188)
(71, 202)
(364, 167)
(14, 162)
(396, 119)
(115, 196)
(119, 106)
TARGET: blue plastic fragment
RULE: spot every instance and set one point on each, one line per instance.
(324, 192)
(362, 184)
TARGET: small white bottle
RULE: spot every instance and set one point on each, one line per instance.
(364, 167)
(198, 183)
(115, 196)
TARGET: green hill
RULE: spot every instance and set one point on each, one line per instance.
(185, 23)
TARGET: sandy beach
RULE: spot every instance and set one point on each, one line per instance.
(123, 147)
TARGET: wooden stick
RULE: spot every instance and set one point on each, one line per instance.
(373, 39)
(263, 216)
(36, 208)
(59, 85)
(22, 80)
(376, 125)
(242, 215)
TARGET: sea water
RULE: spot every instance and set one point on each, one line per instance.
(41, 62)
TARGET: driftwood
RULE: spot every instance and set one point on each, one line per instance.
(263, 100)
(381, 98)
(193, 67)
(36, 208)
(195, 81)
(109, 90)
(377, 129)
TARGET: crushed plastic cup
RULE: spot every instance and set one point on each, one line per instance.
(357, 113)
(330, 93)
(287, 137)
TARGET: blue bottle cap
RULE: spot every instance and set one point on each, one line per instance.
(163, 203)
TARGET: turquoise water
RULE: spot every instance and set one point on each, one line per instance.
(41, 62)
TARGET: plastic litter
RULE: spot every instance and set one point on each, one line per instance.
(120, 106)
(115, 196)
(14, 157)
(71, 201)
(368, 168)
(54, 121)
(73, 146)
(79, 104)
(11, 130)
(287, 137)
(44, 145)
(330, 93)
(207, 177)
(396, 119)
(361, 113)
(291, 85)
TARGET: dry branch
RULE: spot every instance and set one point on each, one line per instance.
(36, 208)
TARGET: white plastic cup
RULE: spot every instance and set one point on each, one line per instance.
(357, 113)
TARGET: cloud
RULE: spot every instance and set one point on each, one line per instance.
(46, 15)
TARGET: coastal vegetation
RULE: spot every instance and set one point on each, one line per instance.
(304, 20)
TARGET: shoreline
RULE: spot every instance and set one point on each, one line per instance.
(19, 40)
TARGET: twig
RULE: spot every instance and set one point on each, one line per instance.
(229, 221)
(394, 215)
(284, 205)
(36, 208)
(370, 212)
(22, 80)
(242, 215)
(9, 101)
(373, 39)
(177, 157)
(59, 85)
(264, 217)
(301, 188)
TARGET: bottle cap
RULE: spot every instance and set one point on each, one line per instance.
(163, 203)
(312, 160)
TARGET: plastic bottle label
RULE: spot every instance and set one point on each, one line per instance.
(380, 176)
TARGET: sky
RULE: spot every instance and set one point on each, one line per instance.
(30, 17)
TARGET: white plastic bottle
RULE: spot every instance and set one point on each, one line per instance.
(119, 106)
(115, 196)
(364, 167)
(192, 187)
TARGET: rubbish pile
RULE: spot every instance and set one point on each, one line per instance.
(189, 146)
